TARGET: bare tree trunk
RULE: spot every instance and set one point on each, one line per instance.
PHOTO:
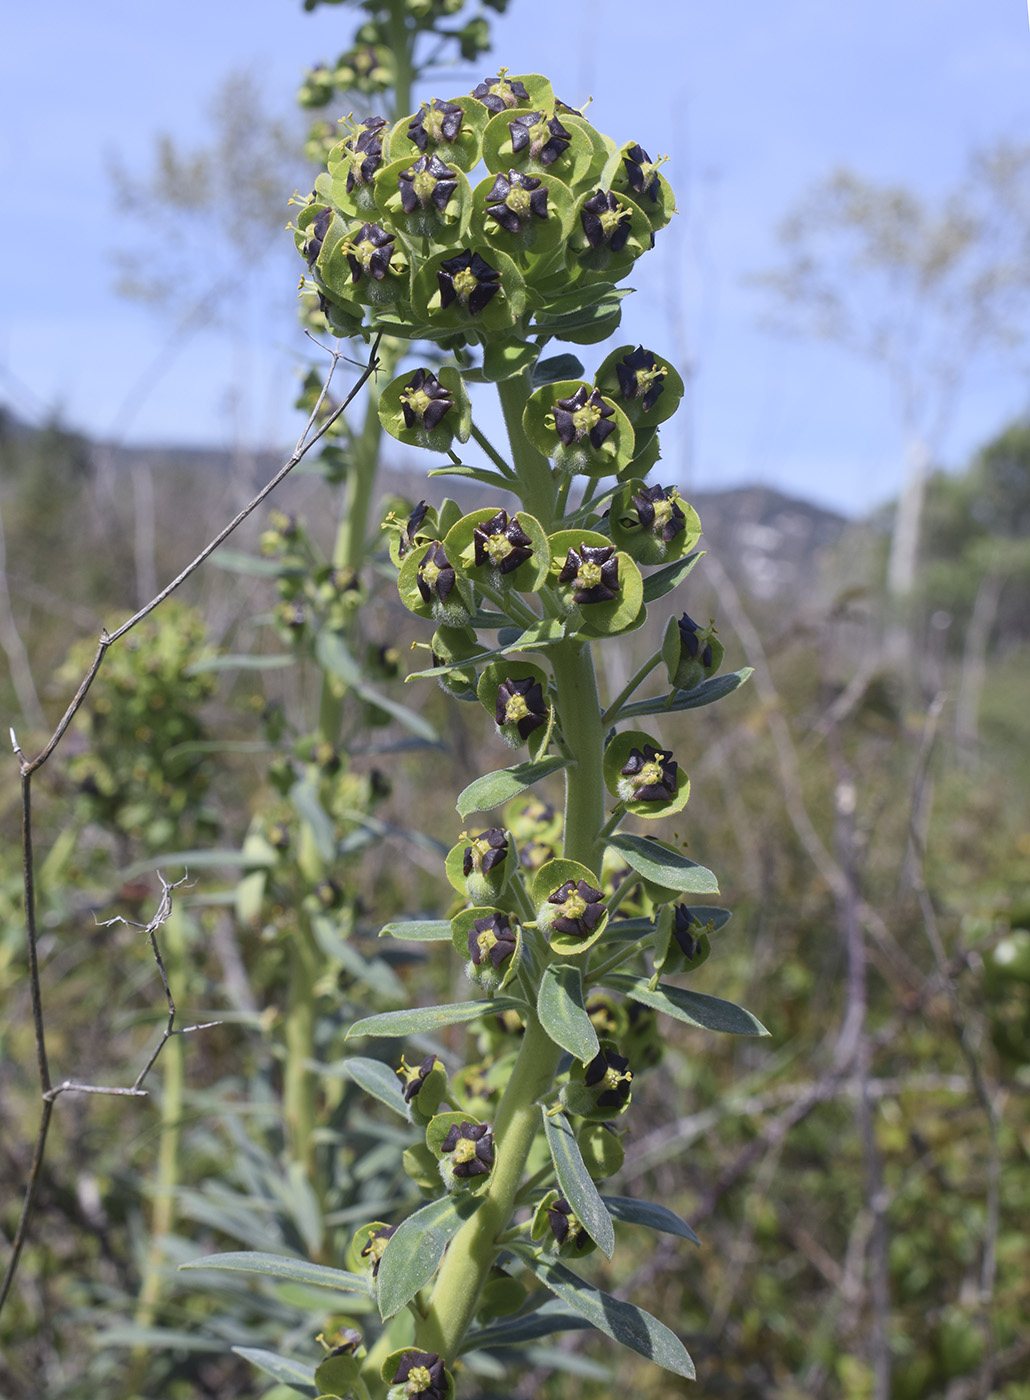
(904, 555)
(974, 664)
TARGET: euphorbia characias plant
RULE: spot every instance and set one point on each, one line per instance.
(489, 224)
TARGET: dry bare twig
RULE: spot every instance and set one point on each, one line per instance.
(49, 1091)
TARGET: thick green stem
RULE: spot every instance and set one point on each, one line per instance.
(472, 1253)
(474, 1249)
(537, 485)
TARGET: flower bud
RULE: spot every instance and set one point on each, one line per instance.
(691, 652)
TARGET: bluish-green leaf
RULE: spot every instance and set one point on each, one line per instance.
(695, 1008)
(379, 1080)
(419, 930)
(562, 1012)
(665, 579)
(333, 656)
(665, 867)
(237, 562)
(650, 1215)
(715, 688)
(283, 1267)
(623, 1322)
(576, 1183)
(494, 789)
(289, 1372)
(425, 1019)
(278, 661)
(557, 367)
(411, 719)
(483, 474)
(304, 796)
(412, 1255)
(544, 1321)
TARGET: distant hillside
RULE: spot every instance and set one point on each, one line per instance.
(778, 544)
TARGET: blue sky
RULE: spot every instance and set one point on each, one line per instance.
(751, 101)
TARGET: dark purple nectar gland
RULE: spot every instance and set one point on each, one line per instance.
(487, 851)
(421, 1373)
(683, 925)
(499, 94)
(470, 1147)
(513, 198)
(434, 575)
(648, 776)
(375, 1244)
(611, 1072)
(564, 1225)
(470, 279)
(581, 909)
(593, 572)
(428, 182)
(369, 252)
(319, 227)
(658, 511)
(690, 641)
(492, 938)
(502, 542)
(605, 221)
(415, 1077)
(584, 415)
(642, 172)
(364, 152)
(640, 377)
(424, 402)
(546, 140)
(521, 703)
(415, 519)
(437, 122)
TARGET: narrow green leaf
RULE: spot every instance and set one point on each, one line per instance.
(665, 579)
(278, 661)
(379, 1080)
(665, 867)
(576, 1183)
(197, 860)
(650, 1215)
(282, 1266)
(562, 1013)
(707, 693)
(292, 1373)
(695, 1008)
(483, 474)
(333, 656)
(409, 718)
(623, 1322)
(237, 562)
(304, 796)
(552, 370)
(419, 931)
(422, 1020)
(412, 1255)
(544, 1321)
(494, 789)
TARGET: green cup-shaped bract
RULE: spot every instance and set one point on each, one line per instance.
(644, 775)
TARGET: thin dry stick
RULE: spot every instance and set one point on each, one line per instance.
(27, 767)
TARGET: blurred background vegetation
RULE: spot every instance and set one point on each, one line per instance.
(860, 1182)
